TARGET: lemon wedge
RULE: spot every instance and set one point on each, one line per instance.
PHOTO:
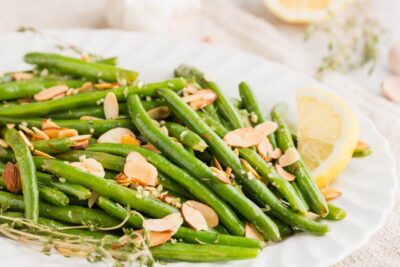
(305, 11)
(327, 133)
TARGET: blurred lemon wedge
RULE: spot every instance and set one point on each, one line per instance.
(305, 11)
(327, 133)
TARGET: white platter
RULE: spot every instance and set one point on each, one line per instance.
(368, 185)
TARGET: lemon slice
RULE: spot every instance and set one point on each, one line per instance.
(305, 11)
(327, 133)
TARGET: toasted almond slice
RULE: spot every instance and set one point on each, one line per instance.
(91, 166)
(221, 175)
(243, 137)
(137, 167)
(228, 171)
(46, 123)
(86, 87)
(24, 100)
(151, 147)
(276, 153)
(67, 133)
(104, 86)
(206, 94)
(159, 113)
(89, 118)
(80, 144)
(130, 140)
(3, 143)
(52, 132)
(200, 103)
(111, 107)
(26, 129)
(284, 174)
(251, 232)
(159, 238)
(362, 145)
(122, 179)
(40, 133)
(209, 214)
(51, 92)
(190, 89)
(170, 222)
(291, 156)
(330, 193)
(266, 128)
(194, 217)
(92, 199)
(26, 140)
(217, 164)
(42, 154)
(59, 96)
(250, 169)
(82, 137)
(114, 135)
(390, 88)
(21, 76)
(264, 149)
(164, 130)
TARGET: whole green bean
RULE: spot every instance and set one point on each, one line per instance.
(184, 233)
(80, 68)
(147, 204)
(186, 136)
(335, 213)
(202, 253)
(68, 214)
(52, 195)
(27, 172)
(224, 106)
(250, 103)
(86, 99)
(303, 180)
(196, 167)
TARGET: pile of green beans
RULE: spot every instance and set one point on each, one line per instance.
(182, 148)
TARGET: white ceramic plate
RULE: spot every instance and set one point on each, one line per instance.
(368, 185)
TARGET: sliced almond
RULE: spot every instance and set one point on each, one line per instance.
(159, 113)
(21, 76)
(42, 154)
(92, 199)
(190, 89)
(209, 214)
(114, 135)
(164, 130)
(91, 166)
(265, 149)
(122, 179)
(12, 180)
(137, 168)
(104, 86)
(243, 137)
(79, 138)
(266, 128)
(159, 238)
(251, 232)
(52, 132)
(86, 87)
(291, 156)
(111, 107)
(67, 133)
(89, 118)
(194, 217)
(228, 171)
(46, 123)
(201, 98)
(216, 163)
(170, 222)
(284, 174)
(51, 92)
(221, 175)
(26, 129)
(246, 165)
(26, 140)
(3, 143)
(130, 140)
(276, 153)
(330, 193)
(151, 147)
(80, 144)
(59, 96)
(40, 133)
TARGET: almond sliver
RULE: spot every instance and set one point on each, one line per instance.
(21, 76)
(243, 137)
(251, 232)
(159, 238)
(330, 193)
(26, 140)
(266, 128)
(111, 107)
(42, 154)
(67, 133)
(114, 135)
(137, 167)
(264, 149)
(46, 123)
(221, 175)
(194, 217)
(291, 156)
(130, 140)
(170, 222)
(206, 94)
(284, 174)
(209, 214)
(51, 92)
(40, 133)
(276, 153)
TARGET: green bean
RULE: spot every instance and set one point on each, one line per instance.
(224, 106)
(335, 213)
(250, 103)
(185, 136)
(6, 154)
(108, 161)
(54, 146)
(80, 68)
(202, 253)
(52, 195)
(196, 167)
(286, 215)
(237, 103)
(94, 127)
(147, 204)
(86, 99)
(53, 225)
(68, 214)
(98, 111)
(27, 173)
(184, 233)
(170, 185)
(300, 195)
(303, 180)
(220, 229)
(20, 89)
(269, 175)
(284, 229)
